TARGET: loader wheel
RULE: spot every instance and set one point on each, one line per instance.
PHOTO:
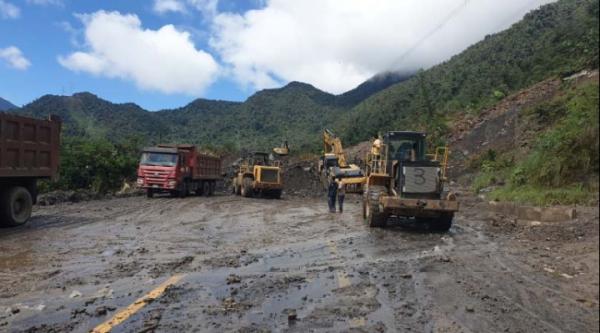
(373, 217)
(246, 187)
(16, 203)
(443, 223)
(276, 194)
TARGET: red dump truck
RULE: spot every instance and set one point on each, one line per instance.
(29, 150)
(178, 170)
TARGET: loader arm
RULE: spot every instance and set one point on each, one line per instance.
(333, 145)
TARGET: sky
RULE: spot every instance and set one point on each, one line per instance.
(165, 53)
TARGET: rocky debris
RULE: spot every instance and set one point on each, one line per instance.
(291, 315)
(531, 213)
(60, 196)
(103, 310)
(232, 278)
(301, 179)
(75, 294)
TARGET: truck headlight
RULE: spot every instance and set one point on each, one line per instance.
(172, 183)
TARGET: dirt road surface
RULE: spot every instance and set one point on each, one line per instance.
(253, 265)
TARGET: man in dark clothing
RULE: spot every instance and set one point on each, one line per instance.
(332, 194)
(341, 193)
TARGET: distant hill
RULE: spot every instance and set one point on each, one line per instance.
(556, 40)
(6, 105)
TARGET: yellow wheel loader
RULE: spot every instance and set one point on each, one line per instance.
(403, 181)
(257, 174)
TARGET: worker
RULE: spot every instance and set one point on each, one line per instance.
(376, 152)
(341, 194)
(331, 194)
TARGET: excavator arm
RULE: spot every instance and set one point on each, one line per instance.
(333, 145)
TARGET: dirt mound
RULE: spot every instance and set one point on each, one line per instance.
(301, 179)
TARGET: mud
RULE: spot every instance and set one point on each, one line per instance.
(255, 265)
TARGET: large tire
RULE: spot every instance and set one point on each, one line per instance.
(16, 204)
(211, 188)
(443, 223)
(276, 194)
(373, 217)
(184, 189)
(149, 193)
(247, 187)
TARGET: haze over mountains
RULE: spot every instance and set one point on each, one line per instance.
(6, 105)
(558, 39)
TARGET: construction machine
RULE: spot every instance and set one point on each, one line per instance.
(283, 150)
(403, 181)
(333, 164)
(258, 174)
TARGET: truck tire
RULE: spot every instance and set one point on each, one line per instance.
(183, 192)
(443, 223)
(200, 188)
(149, 193)
(247, 187)
(16, 203)
(373, 217)
(211, 188)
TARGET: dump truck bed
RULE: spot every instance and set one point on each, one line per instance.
(29, 147)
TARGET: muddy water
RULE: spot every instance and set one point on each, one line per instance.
(255, 265)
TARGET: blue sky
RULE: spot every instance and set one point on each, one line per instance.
(165, 53)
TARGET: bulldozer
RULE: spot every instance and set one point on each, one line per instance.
(257, 174)
(405, 182)
(333, 164)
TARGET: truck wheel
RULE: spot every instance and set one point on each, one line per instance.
(200, 188)
(211, 188)
(247, 187)
(149, 193)
(373, 217)
(16, 205)
(443, 223)
(184, 190)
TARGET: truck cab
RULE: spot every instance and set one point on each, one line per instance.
(161, 169)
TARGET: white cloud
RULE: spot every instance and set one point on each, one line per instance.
(163, 60)
(8, 10)
(337, 44)
(165, 6)
(14, 58)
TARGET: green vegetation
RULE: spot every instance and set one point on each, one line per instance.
(558, 39)
(563, 164)
(95, 164)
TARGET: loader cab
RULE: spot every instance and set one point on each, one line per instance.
(405, 146)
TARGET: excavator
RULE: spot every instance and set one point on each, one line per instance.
(333, 163)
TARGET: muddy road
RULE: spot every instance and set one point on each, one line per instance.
(252, 265)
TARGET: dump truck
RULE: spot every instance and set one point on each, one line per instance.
(333, 164)
(178, 170)
(404, 181)
(258, 174)
(29, 150)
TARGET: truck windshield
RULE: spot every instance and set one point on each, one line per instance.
(159, 159)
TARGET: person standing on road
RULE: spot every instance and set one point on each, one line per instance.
(341, 194)
(331, 194)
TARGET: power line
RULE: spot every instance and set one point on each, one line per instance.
(439, 26)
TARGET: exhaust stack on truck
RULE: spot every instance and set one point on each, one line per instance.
(29, 150)
(178, 170)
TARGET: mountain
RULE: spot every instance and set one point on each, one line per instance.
(555, 40)
(6, 105)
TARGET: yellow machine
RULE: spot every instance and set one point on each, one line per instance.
(284, 150)
(405, 182)
(257, 174)
(333, 163)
